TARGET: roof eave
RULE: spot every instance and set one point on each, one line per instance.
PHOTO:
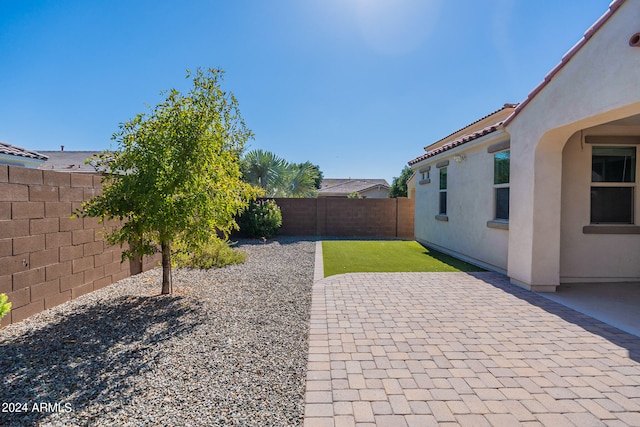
(504, 107)
(493, 133)
(615, 5)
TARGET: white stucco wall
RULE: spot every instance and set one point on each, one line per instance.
(599, 84)
(470, 204)
(592, 257)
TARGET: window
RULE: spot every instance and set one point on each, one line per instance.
(424, 175)
(443, 192)
(613, 177)
(501, 170)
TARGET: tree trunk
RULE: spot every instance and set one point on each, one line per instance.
(167, 285)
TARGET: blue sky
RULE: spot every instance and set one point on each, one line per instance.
(355, 86)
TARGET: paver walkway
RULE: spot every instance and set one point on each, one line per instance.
(421, 349)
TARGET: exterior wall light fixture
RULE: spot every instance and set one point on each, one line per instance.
(459, 158)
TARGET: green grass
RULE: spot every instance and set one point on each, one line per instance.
(353, 256)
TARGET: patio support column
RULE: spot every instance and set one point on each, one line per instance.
(535, 210)
(583, 91)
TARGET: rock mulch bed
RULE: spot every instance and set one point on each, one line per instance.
(229, 347)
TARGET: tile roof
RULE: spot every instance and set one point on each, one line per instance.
(504, 107)
(615, 5)
(456, 143)
(348, 185)
(12, 150)
(473, 134)
(69, 161)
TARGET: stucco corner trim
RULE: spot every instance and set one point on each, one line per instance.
(611, 229)
(424, 181)
(442, 218)
(499, 224)
(442, 164)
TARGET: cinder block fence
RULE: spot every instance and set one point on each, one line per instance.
(342, 217)
(47, 257)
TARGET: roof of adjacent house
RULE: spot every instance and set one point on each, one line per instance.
(615, 5)
(69, 161)
(12, 150)
(349, 185)
(484, 126)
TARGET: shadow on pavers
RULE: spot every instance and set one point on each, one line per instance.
(588, 323)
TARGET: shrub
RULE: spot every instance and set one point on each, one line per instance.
(5, 306)
(216, 253)
(261, 219)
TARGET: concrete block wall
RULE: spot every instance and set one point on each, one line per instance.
(342, 217)
(299, 216)
(405, 217)
(47, 257)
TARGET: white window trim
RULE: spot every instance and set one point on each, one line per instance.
(443, 216)
(500, 223)
(612, 228)
(425, 175)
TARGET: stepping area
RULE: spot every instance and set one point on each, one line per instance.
(470, 349)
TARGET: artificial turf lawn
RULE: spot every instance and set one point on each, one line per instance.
(353, 256)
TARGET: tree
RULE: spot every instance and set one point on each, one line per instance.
(176, 173)
(265, 170)
(5, 307)
(301, 180)
(279, 178)
(319, 176)
(399, 184)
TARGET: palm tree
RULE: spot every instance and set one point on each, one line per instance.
(278, 177)
(301, 180)
(264, 169)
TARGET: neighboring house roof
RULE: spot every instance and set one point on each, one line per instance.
(12, 150)
(615, 5)
(69, 161)
(344, 187)
(486, 125)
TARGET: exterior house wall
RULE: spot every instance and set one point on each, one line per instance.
(27, 162)
(411, 186)
(18, 156)
(592, 257)
(470, 204)
(597, 85)
(375, 193)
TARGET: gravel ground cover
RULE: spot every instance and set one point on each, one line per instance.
(229, 347)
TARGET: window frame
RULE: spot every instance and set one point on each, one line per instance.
(614, 184)
(442, 191)
(442, 214)
(501, 185)
(425, 175)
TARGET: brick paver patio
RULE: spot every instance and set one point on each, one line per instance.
(421, 349)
